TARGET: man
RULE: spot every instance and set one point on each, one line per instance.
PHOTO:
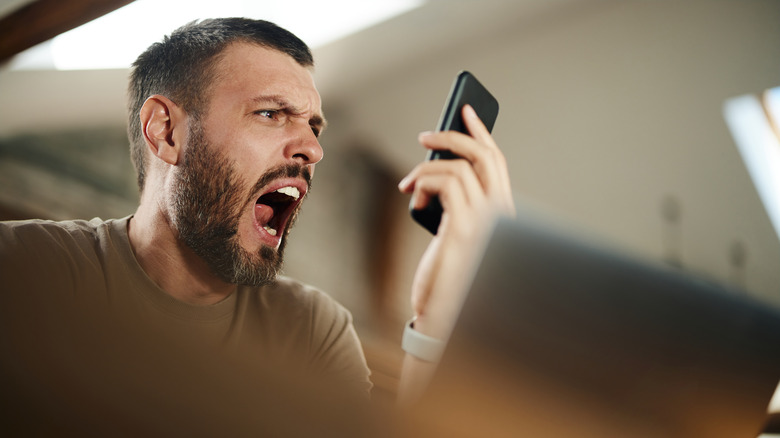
(224, 126)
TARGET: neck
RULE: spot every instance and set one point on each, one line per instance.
(173, 266)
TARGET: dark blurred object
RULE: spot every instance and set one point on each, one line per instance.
(42, 20)
(773, 425)
(561, 338)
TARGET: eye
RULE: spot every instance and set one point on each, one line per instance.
(315, 130)
(268, 114)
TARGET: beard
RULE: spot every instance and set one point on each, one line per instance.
(208, 199)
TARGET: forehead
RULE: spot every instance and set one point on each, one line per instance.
(245, 71)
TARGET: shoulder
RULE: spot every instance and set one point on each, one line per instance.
(62, 249)
(323, 327)
(300, 291)
(302, 299)
(45, 231)
(295, 318)
(290, 313)
(41, 237)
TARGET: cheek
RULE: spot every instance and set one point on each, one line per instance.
(253, 160)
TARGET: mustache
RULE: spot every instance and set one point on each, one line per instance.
(283, 171)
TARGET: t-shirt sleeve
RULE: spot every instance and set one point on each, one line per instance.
(48, 257)
(335, 346)
(304, 331)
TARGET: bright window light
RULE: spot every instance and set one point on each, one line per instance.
(754, 122)
(116, 39)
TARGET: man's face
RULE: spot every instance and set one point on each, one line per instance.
(248, 163)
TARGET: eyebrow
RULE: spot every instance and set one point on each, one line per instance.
(316, 120)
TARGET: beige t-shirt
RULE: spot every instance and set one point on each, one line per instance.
(74, 295)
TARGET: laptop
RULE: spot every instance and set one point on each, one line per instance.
(564, 337)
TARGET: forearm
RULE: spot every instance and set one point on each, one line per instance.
(473, 191)
(424, 341)
(415, 375)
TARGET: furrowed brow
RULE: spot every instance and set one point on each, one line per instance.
(282, 104)
(277, 101)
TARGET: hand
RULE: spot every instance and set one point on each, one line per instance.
(473, 190)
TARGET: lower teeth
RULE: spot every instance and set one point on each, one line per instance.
(270, 230)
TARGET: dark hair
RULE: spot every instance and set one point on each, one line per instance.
(182, 66)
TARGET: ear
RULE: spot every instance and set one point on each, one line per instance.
(163, 124)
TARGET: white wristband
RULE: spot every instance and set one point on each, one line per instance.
(421, 346)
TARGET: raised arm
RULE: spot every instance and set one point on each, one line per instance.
(473, 191)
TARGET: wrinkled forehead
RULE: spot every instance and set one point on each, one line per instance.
(250, 69)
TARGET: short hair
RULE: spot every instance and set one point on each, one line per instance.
(182, 66)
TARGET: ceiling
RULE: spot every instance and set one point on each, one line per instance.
(25, 23)
(52, 100)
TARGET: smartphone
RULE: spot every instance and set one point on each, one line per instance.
(466, 89)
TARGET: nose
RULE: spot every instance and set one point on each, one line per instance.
(304, 147)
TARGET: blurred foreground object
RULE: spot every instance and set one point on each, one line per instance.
(559, 337)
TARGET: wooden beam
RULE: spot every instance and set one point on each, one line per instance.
(42, 20)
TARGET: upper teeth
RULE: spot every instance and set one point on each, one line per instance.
(291, 192)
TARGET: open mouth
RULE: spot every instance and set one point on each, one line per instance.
(273, 209)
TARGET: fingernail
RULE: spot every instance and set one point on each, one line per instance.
(423, 135)
(469, 110)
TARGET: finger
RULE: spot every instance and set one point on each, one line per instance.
(463, 211)
(476, 127)
(451, 193)
(478, 130)
(442, 171)
(488, 161)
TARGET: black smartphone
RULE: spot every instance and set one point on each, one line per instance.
(466, 89)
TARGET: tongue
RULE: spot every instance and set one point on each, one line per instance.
(263, 214)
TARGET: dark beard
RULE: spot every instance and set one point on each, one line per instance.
(208, 202)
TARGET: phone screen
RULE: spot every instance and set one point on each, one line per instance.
(466, 89)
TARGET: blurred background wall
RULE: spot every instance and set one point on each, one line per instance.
(610, 120)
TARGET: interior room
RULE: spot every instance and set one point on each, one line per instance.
(611, 120)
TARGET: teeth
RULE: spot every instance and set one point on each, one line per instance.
(270, 230)
(290, 191)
